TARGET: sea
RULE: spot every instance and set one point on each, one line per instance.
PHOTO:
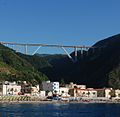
(60, 110)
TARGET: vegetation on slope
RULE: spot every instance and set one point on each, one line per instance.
(14, 68)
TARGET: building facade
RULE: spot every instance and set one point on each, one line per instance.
(50, 86)
(77, 92)
(10, 88)
(63, 92)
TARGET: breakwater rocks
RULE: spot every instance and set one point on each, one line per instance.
(37, 99)
(20, 98)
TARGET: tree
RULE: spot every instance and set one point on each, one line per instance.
(62, 82)
(114, 78)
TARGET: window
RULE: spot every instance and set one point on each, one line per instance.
(83, 93)
(15, 90)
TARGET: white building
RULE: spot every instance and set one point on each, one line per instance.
(107, 92)
(50, 86)
(63, 91)
(117, 93)
(35, 90)
(42, 94)
(10, 88)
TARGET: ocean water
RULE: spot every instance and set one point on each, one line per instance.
(60, 110)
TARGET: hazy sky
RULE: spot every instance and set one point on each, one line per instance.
(66, 22)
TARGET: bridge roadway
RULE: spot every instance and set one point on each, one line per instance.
(28, 44)
(83, 47)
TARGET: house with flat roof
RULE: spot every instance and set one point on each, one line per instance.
(10, 88)
(77, 92)
(50, 86)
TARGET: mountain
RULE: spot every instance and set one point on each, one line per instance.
(95, 69)
(98, 67)
(14, 68)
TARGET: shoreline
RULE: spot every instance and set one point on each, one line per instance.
(56, 102)
(38, 100)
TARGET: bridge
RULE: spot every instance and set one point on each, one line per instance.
(38, 46)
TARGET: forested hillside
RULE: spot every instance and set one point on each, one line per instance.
(14, 68)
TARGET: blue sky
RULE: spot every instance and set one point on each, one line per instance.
(66, 22)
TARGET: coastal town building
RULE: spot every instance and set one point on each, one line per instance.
(63, 92)
(42, 94)
(26, 89)
(100, 92)
(108, 92)
(10, 88)
(50, 93)
(50, 86)
(77, 92)
(117, 93)
(35, 90)
(89, 92)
